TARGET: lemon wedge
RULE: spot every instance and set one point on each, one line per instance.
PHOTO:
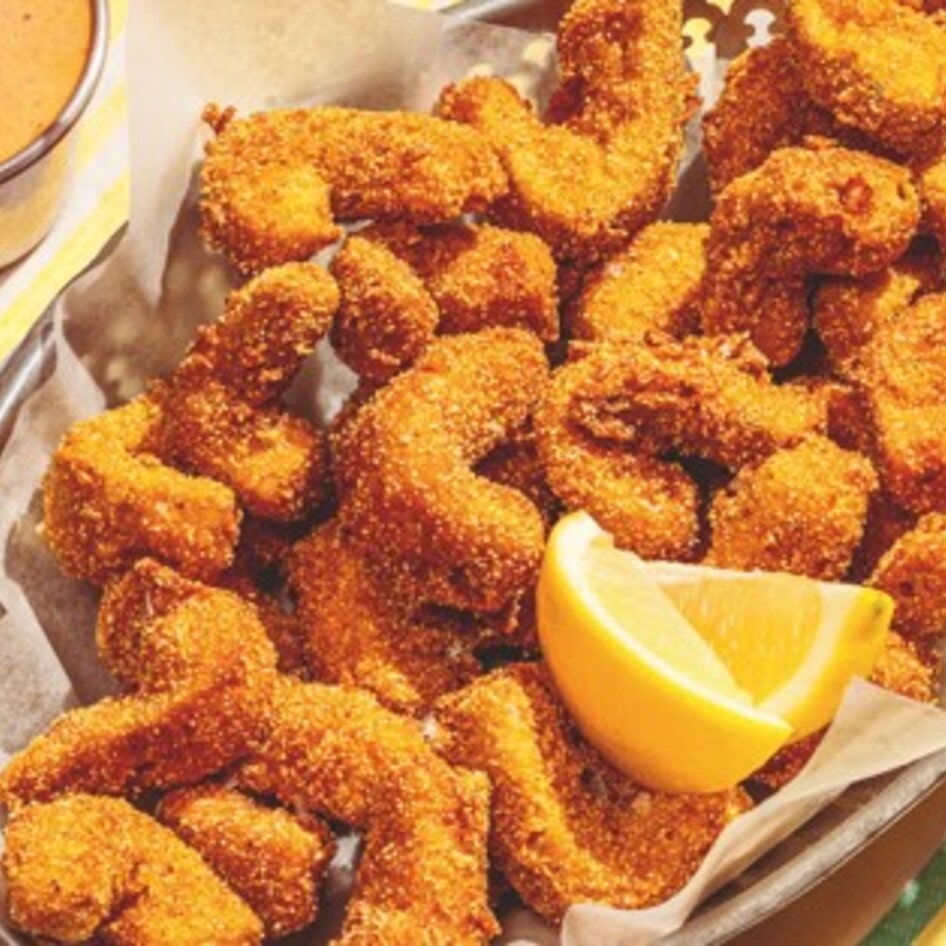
(689, 678)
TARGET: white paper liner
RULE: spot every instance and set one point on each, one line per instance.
(131, 318)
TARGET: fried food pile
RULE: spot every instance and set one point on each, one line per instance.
(316, 631)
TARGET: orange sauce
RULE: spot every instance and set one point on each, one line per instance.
(44, 45)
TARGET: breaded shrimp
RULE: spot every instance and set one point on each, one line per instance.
(480, 276)
(650, 506)
(400, 285)
(85, 868)
(272, 183)
(654, 283)
(876, 65)
(423, 870)
(358, 633)
(704, 397)
(802, 510)
(565, 827)
(274, 860)
(107, 502)
(606, 164)
(763, 107)
(902, 370)
(848, 311)
(387, 317)
(109, 498)
(219, 413)
(403, 469)
(616, 419)
(804, 212)
(198, 669)
(913, 573)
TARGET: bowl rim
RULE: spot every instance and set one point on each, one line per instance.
(70, 113)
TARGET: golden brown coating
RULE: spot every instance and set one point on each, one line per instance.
(219, 408)
(802, 510)
(875, 65)
(763, 107)
(337, 751)
(847, 312)
(886, 522)
(403, 466)
(907, 669)
(615, 420)
(804, 212)
(109, 498)
(902, 370)
(400, 285)
(913, 573)
(654, 283)
(272, 182)
(87, 868)
(650, 506)
(933, 190)
(480, 276)
(565, 827)
(708, 397)
(387, 317)
(607, 163)
(258, 574)
(357, 632)
(786, 764)
(275, 463)
(198, 669)
(107, 502)
(516, 463)
(275, 861)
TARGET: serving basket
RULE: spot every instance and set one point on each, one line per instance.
(716, 31)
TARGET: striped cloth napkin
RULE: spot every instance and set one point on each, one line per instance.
(96, 207)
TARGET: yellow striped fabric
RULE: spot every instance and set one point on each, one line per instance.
(97, 205)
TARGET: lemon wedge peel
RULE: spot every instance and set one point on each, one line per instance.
(665, 709)
(668, 730)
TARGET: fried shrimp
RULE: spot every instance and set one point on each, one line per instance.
(804, 212)
(85, 868)
(273, 184)
(847, 312)
(654, 283)
(913, 573)
(109, 496)
(607, 163)
(763, 107)
(358, 633)
(403, 465)
(565, 827)
(184, 653)
(876, 65)
(337, 751)
(107, 502)
(274, 860)
(616, 420)
(902, 370)
(801, 510)
(219, 409)
(400, 285)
